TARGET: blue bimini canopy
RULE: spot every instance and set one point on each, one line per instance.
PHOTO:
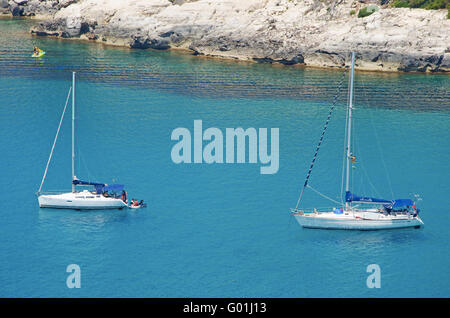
(399, 203)
(109, 187)
(100, 187)
(113, 187)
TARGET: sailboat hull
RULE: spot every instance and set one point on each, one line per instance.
(80, 201)
(356, 222)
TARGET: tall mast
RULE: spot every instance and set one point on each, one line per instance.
(349, 128)
(73, 130)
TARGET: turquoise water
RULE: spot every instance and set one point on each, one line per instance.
(220, 230)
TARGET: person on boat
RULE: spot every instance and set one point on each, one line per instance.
(136, 203)
(388, 210)
(106, 194)
(124, 196)
(141, 202)
(416, 212)
(35, 50)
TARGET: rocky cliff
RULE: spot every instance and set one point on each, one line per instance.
(311, 32)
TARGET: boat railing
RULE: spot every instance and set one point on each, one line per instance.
(53, 192)
(403, 213)
(315, 210)
(354, 209)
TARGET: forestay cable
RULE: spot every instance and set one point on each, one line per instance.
(54, 142)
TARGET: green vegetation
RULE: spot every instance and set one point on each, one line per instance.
(401, 4)
(424, 4)
(365, 12)
(352, 12)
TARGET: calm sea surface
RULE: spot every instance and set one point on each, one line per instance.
(220, 230)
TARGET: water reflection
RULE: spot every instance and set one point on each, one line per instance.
(75, 221)
(195, 76)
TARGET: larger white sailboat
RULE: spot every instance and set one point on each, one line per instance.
(358, 212)
(100, 196)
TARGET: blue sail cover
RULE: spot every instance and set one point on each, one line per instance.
(390, 204)
(350, 197)
(80, 182)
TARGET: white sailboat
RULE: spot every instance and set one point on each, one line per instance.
(101, 195)
(358, 212)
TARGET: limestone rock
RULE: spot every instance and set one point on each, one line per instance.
(311, 32)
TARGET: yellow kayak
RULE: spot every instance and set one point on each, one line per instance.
(39, 54)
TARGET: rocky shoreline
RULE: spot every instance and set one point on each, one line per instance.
(319, 33)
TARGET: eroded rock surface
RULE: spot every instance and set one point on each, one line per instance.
(312, 32)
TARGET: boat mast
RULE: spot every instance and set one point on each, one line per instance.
(349, 128)
(73, 130)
